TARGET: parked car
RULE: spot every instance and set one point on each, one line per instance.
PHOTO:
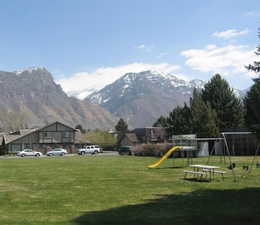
(57, 151)
(29, 152)
(125, 150)
(89, 149)
(98, 149)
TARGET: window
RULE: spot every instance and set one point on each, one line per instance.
(67, 136)
(14, 148)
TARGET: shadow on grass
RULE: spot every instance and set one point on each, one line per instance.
(201, 207)
(197, 180)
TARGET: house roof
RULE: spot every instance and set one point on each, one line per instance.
(152, 132)
(48, 125)
(132, 137)
(11, 137)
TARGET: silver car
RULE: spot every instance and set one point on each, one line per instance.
(28, 152)
(57, 151)
(89, 149)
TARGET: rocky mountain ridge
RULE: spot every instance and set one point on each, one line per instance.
(34, 94)
(141, 98)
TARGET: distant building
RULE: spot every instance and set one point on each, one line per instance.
(144, 136)
(129, 139)
(53, 135)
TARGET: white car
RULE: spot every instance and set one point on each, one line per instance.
(29, 152)
(89, 149)
(57, 151)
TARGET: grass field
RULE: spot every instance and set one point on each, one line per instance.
(112, 190)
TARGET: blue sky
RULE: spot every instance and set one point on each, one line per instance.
(81, 37)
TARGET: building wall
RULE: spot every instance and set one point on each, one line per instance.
(127, 142)
(55, 135)
(242, 144)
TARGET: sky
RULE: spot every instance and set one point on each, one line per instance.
(81, 41)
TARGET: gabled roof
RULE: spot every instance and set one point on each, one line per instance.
(151, 132)
(48, 125)
(132, 137)
(10, 137)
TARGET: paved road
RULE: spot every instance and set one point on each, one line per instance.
(106, 153)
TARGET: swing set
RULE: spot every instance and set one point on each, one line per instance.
(225, 149)
(238, 141)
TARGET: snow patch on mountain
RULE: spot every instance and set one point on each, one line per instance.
(126, 86)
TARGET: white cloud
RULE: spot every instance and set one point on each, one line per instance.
(146, 48)
(84, 83)
(230, 59)
(141, 46)
(231, 33)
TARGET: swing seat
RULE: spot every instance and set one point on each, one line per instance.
(232, 166)
(245, 167)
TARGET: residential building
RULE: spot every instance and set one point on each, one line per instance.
(53, 135)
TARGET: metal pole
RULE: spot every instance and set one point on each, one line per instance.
(253, 161)
(229, 157)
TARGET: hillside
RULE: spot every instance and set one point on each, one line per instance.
(140, 98)
(32, 97)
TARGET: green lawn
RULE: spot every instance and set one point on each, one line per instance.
(112, 190)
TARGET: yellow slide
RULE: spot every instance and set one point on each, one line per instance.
(165, 156)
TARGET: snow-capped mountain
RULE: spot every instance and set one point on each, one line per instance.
(141, 98)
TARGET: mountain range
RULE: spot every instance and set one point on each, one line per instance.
(33, 94)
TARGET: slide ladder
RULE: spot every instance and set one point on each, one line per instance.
(167, 154)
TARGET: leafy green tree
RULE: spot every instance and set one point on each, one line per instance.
(121, 129)
(203, 117)
(179, 121)
(102, 138)
(161, 122)
(229, 109)
(79, 127)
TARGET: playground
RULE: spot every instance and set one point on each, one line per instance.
(121, 190)
(213, 165)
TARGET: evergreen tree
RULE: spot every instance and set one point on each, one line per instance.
(203, 117)
(221, 98)
(121, 128)
(161, 122)
(209, 128)
(256, 65)
(252, 99)
(179, 121)
(252, 107)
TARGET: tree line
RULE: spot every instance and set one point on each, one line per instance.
(213, 109)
